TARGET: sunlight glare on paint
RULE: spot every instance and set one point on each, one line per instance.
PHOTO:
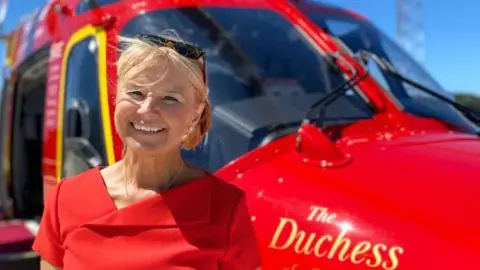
(345, 226)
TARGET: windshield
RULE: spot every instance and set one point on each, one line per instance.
(361, 35)
(263, 76)
(255, 54)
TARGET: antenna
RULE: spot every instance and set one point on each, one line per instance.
(410, 32)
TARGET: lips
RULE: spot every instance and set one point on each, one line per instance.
(149, 128)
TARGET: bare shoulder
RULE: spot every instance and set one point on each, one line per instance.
(110, 173)
(44, 265)
(109, 170)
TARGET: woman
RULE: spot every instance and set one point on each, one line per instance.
(151, 210)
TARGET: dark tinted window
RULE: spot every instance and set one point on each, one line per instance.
(262, 73)
(83, 128)
(86, 5)
(250, 53)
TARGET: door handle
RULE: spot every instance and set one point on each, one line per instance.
(77, 119)
(86, 151)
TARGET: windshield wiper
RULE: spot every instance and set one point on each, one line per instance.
(340, 90)
(364, 56)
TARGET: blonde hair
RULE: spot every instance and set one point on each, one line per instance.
(138, 56)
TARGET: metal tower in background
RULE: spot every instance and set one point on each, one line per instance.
(410, 33)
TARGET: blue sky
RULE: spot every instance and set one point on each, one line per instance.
(452, 40)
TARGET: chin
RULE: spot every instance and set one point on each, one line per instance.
(136, 144)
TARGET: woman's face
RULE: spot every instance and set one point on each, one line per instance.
(158, 117)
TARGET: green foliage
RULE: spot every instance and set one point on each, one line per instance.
(469, 100)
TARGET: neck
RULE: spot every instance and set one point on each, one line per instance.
(152, 172)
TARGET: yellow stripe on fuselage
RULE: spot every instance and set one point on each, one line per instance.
(78, 36)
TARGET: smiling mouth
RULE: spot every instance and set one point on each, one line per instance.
(146, 128)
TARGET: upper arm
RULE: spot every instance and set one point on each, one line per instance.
(242, 246)
(48, 243)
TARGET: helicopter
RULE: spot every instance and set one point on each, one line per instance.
(351, 154)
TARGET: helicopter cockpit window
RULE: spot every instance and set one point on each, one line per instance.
(354, 31)
(361, 35)
(87, 5)
(251, 53)
(83, 143)
(262, 72)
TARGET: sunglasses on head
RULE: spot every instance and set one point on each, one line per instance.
(182, 48)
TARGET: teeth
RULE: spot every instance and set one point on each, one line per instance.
(148, 128)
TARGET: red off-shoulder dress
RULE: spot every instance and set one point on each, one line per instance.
(203, 224)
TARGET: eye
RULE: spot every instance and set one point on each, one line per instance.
(171, 99)
(136, 94)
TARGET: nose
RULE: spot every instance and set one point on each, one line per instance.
(146, 107)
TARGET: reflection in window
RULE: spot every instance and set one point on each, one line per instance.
(250, 53)
(361, 35)
(87, 5)
(261, 72)
(354, 32)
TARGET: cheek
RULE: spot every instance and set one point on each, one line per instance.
(122, 110)
(178, 117)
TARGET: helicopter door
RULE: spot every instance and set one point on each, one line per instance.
(83, 132)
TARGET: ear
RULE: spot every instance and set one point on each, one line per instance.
(198, 113)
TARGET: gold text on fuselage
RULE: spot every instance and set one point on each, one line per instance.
(335, 246)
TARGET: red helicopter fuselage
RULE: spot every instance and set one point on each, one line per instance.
(388, 180)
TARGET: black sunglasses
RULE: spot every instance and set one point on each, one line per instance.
(182, 48)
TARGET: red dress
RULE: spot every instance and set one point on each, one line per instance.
(203, 224)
